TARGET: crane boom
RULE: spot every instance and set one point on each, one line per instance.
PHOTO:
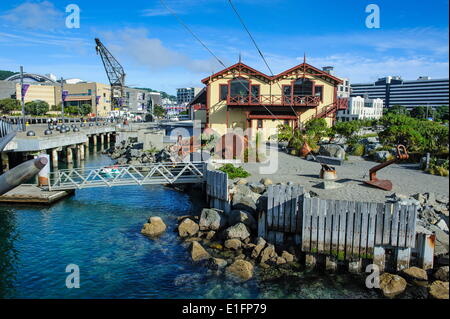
(115, 73)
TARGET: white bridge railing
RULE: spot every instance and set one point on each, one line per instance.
(151, 174)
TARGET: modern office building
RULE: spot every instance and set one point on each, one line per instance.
(186, 95)
(393, 90)
(97, 95)
(360, 108)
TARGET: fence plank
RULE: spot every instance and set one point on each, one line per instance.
(349, 234)
(281, 211)
(343, 206)
(294, 208)
(270, 210)
(364, 225)
(287, 209)
(300, 213)
(306, 232)
(335, 227)
(387, 223)
(394, 225)
(276, 206)
(411, 229)
(357, 231)
(371, 229)
(328, 227)
(379, 224)
(321, 226)
(402, 226)
(314, 223)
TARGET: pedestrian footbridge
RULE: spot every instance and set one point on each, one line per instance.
(150, 174)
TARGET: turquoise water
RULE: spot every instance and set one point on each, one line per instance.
(99, 230)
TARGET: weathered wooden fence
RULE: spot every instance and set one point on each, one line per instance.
(217, 190)
(341, 230)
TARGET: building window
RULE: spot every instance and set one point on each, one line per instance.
(318, 91)
(255, 93)
(239, 87)
(223, 92)
(303, 87)
(260, 124)
(89, 92)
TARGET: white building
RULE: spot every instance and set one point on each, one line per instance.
(360, 108)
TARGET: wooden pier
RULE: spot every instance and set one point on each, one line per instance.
(32, 194)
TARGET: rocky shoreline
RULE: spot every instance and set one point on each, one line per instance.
(228, 244)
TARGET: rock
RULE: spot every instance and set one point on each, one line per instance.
(187, 228)
(417, 275)
(332, 150)
(382, 156)
(238, 231)
(370, 140)
(442, 199)
(241, 256)
(198, 252)
(240, 269)
(267, 253)
(431, 198)
(154, 227)
(442, 273)
(257, 188)
(280, 261)
(392, 285)
(216, 246)
(260, 244)
(266, 181)
(240, 216)
(429, 216)
(233, 244)
(241, 181)
(439, 290)
(442, 241)
(211, 219)
(218, 263)
(420, 197)
(244, 198)
(287, 256)
(191, 239)
(210, 234)
(442, 225)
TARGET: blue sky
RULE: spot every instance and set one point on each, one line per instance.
(157, 52)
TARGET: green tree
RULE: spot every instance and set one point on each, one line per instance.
(398, 109)
(419, 112)
(8, 105)
(5, 74)
(159, 111)
(346, 129)
(36, 107)
(441, 113)
(85, 109)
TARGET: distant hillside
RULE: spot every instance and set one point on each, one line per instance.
(164, 95)
(5, 74)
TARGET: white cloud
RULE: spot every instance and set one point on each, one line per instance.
(36, 16)
(135, 44)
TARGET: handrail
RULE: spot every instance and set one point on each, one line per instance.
(273, 99)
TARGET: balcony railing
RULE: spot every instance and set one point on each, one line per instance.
(274, 100)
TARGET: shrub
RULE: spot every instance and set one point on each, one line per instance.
(436, 168)
(36, 107)
(358, 150)
(234, 172)
(9, 105)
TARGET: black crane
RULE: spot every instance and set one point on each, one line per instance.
(115, 73)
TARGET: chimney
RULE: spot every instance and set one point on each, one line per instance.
(328, 69)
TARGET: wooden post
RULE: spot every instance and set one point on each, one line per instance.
(403, 255)
(379, 257)
(426, 244)
(69, 155)
(55, 158)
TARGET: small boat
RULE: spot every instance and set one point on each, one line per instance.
(110, 171)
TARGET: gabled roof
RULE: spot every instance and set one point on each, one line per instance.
(245, 69)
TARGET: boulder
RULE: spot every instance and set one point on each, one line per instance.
(257, 188)
(267, 253)
(382, 156)
(241, 216)
(280, 260)
(233, 244)
(442, 225)
(198, 252)
(266, 181)
(238, 231)
(417, 275)
(187, 228)
(392, 285)
(154, 227)
(210, 234)
(217, 263)
(240, 269)
(260, 244)
(332, 150)
(211, 219)
(244, 198)
(241, 181)
(287, 256)
(439, 290)
(442, 273)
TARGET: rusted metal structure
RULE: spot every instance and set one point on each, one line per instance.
(386, 184)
